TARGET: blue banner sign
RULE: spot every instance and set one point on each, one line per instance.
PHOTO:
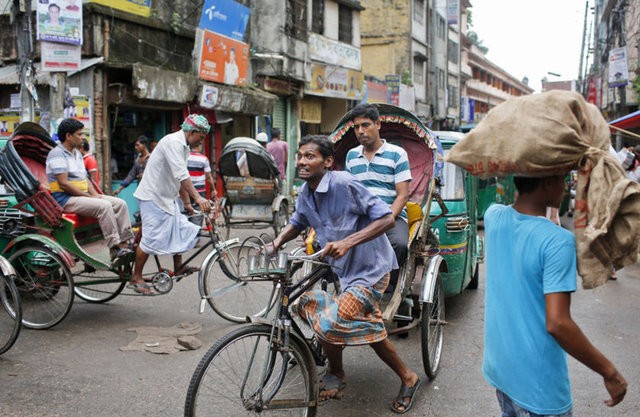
(225, 17)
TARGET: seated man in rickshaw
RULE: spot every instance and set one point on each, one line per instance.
(165, 230)
(350, 223)
(70, 187)
(384, 169)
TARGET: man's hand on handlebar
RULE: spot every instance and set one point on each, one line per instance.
(336, 249)
(204, 204)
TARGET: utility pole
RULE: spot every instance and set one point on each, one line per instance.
(24, 42)
(584, 35)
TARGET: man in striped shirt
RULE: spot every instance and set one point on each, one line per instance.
(384, 169)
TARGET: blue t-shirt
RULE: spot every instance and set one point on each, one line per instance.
(341, 206)
(527, 257)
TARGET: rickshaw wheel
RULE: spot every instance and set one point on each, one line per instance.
(10, 313)
(281, 217)
(97, 286)
(431, 326)
(45, 285)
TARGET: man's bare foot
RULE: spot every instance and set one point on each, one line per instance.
(331, 387)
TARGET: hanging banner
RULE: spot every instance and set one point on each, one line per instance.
(393, 88)
(60, 57)
(223, 60)
(59, 21)
(376, 92)
(139, 7)
(226, 17)
(453, 12)
(618, 69)
(9, 121)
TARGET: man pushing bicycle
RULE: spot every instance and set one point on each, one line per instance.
(350, 223)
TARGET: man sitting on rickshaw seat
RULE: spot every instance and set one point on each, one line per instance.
(384, 169)
(69, 185)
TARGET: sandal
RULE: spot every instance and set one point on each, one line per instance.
(330, 382)
(187, 271)
(405, 392)
(141, 288)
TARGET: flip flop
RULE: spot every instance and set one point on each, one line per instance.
(330, 382)
(405, 392)
(188, 270)
(140, 288)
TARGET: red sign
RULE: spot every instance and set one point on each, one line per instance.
(223, 60)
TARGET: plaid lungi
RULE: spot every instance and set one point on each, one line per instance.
(350, 318)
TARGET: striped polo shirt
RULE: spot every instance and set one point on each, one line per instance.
(60, 161)
(198, 165)
(388, 167)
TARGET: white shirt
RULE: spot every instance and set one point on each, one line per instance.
(165, 170)
(231, 73)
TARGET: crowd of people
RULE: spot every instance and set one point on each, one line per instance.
(525, 348)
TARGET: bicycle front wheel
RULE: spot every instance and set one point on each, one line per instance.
(244, 374)
(10, 313)
(232, 296)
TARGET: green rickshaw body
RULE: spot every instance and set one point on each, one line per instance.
(460, 245)
(495, 190)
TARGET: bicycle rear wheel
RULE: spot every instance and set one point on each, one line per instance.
(231, 296)
(97, 286)
(230, 379)
(10, 313)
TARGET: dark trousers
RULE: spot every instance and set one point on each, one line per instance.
(399, 238)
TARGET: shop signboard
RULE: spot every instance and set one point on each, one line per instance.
(333, 52)
(225, 17)
(9, 121)
(59, 21)
(618, 69)
(223, 60)
(332, 81)
(138, 7)
(393, 89)
(208, 96)
(60, 57)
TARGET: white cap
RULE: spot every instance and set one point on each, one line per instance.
(262, 137)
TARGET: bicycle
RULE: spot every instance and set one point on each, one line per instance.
(268, 364)
(11, 311)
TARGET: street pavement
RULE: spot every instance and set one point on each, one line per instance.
(77, 369)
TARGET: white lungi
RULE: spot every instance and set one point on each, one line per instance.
(164, 233)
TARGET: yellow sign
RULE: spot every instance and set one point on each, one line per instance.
(332, 81)
(139, 7)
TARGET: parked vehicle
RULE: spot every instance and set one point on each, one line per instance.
(461, 245)
(253, 193)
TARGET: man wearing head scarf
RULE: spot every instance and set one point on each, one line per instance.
(165, 230)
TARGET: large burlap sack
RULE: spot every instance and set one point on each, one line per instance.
(552, 133)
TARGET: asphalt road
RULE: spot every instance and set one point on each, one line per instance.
(77, 369)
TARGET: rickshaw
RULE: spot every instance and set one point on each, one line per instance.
(253, 195)
(418, 297)
(460, 245)
(59, 255)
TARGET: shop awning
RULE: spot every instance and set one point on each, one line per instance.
(630, 121)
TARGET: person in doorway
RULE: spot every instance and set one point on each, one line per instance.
(350, 223)
(136, 171)
(165, 230)
(384, 169)
(200, 171)
(90, 163)
(69, 186)
(231, 72)
(280, 152)
(531, 273)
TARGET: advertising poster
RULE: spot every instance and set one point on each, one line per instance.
(330, 81)
(60, 57)
(81, 110)
(223, 60)
(139, 7)
(9, 121)
(376, 92)
(225, 17)
(393, 86)
(59, 21)
(618, 69)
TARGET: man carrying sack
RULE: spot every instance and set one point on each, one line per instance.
(531, 263)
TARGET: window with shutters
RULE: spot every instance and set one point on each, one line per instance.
(345, 24)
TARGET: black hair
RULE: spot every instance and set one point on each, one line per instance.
(275, 132)
(53, 5)
(85, 145)
(325, 147)
(368, 111)
(68, 126)
(526, 185)
(143, 140)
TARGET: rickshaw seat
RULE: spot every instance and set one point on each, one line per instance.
(414, 215)
(80, 221)
(37, 169)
